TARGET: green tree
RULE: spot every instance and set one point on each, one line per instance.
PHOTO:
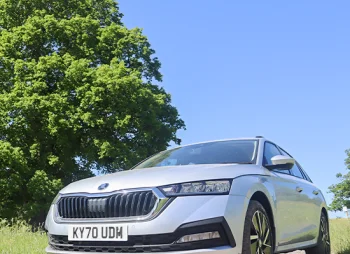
(78, 92)
(341, 190)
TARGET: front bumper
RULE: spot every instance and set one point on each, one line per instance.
(218, 250)
(182, 211)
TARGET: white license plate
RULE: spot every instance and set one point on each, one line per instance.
(102, 232)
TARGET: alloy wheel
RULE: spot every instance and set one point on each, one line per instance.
(325, 236)
(260, 234)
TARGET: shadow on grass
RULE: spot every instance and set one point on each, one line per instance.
(347, 251)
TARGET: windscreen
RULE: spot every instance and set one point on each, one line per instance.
(219, 152)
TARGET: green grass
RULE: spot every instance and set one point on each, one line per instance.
(19, 238)
(340, 236)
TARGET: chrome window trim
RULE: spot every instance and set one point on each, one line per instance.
(162, 200)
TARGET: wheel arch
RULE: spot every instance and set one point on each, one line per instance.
(265, 202)
(324, 210)
(258, 188)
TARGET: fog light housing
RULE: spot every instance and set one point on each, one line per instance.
(199, 237)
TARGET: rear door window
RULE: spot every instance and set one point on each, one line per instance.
(296, 171)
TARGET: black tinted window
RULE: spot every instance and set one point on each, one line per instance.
(296, 171)
(304, 173)
(285, 153)
(270, 150)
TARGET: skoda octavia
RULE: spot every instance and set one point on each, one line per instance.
(231, 196)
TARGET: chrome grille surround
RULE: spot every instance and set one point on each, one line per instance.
(159, 204)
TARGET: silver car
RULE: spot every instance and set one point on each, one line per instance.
(228, 196)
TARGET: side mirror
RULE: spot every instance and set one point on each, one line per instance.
(281, 162)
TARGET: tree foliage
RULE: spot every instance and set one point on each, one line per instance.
(341, 190)
(77, 93)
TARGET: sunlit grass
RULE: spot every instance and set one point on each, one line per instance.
(20, 239)
(340, 236)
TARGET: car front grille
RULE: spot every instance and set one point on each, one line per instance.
(119, 205)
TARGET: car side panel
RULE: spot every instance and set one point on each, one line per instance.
(248, 185)
(312, 209)
(300, 226)
(288, 217)
(288, 214)
(317, 202)
(286, 210)
(311, 212)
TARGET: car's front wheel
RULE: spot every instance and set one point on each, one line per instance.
(257, 235)
(324, 244)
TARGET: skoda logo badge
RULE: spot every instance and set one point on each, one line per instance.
(103, 186)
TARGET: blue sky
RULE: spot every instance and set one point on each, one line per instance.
(280, 69)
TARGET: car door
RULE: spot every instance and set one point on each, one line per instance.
(309, 203)
(312, 205)
(287, 200)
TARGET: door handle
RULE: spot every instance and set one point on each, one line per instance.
(315, 192)
(299, 189)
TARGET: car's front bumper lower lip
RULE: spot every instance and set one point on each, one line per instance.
(217, 250)
(157, 242)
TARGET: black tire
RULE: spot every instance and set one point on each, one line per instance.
(323, 244)
(258, 234)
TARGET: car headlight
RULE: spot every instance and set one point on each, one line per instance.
(208, 187)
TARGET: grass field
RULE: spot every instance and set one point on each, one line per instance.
(340, 236)
(19, 239)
